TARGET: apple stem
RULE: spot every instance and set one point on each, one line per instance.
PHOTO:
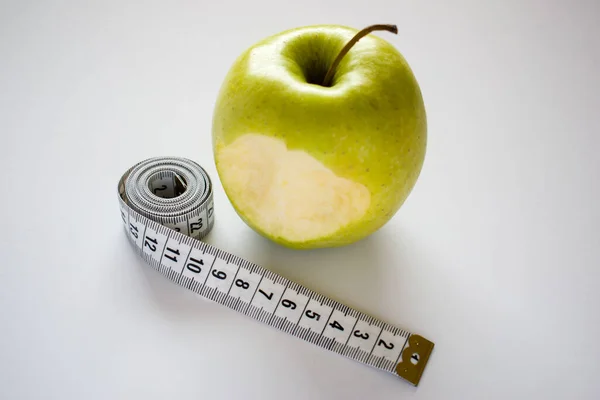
(352, 42)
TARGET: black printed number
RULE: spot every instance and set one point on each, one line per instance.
(173, 251)
(268, 296)
(150, 243)
(196, 226)
(336, 325)
(386, 345)
(313, 315)
(288, 303)
(219, 274)
(361, 335)
(134, 230)
(194, 265)
(242, 284)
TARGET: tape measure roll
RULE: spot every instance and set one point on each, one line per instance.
(166, 206)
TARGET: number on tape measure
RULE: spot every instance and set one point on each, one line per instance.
(195, 265)
(166, 206)
(336, 325)
(312, 315)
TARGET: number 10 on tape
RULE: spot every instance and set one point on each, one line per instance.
(166, 231)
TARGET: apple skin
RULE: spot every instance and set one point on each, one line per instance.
(369, 126)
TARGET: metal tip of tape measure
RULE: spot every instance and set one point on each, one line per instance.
(166, 206)
(414, 358)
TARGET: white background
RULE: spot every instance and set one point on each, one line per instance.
(495, 256)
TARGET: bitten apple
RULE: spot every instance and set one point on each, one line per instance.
(319, 135)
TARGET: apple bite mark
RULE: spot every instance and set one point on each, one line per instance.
(286, 192)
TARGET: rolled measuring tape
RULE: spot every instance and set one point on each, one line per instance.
(166, 207)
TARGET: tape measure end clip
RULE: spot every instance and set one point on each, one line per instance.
(414, 359)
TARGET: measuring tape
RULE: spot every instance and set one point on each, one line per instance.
(167, 208)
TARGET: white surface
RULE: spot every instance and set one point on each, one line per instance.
(495, 256)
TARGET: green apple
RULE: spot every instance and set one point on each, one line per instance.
(310, 163)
